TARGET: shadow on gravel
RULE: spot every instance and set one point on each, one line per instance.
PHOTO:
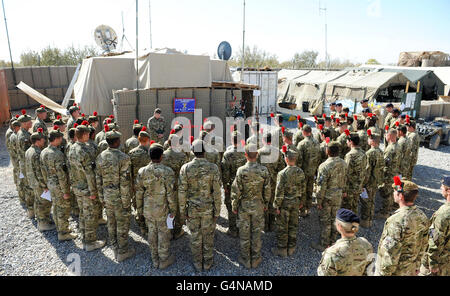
(429, 176)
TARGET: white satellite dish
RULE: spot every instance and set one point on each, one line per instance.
(106, 38)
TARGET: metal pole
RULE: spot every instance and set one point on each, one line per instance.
(9, 45)
(326, 34)
(150, 20)
(243, 47)
(137, 60)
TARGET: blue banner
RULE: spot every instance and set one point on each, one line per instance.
(184, 105)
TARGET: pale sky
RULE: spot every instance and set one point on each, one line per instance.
(357, 29)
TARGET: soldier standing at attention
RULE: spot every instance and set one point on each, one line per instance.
(41, 115)
(175, 158)
(156, 126)
(140, 158)
(298, 136)
(388, 117)
(356, 161)
(133, 142)
(93, 120)
(389, 171)
(11, 145)
(287, 140)
(414, 140)
(56, 175)
(436, 259)
(374, 179)
(23, 143)
(405, 235)
(270, 157)
(114, 189)
(331, 180)
(362, 134)
(85, 188)
(329, 126)
(290, 194)
(199, 194)
(155, 198)
(101, 136)
(36, 180)
(212, 155)
(73, 199)
(74, 114)
(308, 160)
(232, 160)
(350, 255)
(250, 195)
(342, 139)
(62, 128)
(395, 118)
(404, 148)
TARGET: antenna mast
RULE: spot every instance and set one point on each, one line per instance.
(150, 20)
(124, 37)
(326, 34)
(243, 47)
(9, 45)
(137, 60)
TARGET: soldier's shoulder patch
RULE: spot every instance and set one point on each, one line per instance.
(388, 242)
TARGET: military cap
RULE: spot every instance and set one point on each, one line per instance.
(321, 121)
(373, 136)
(307, 128)
(84, 127)
(113, 134)
(403, 185)
(353, 137)
(446, 181)
(347, 216)
(113, 118)
(157, 110)
(251, 148)
(41, 109)
(38, 135)
(15, 123)
(288, 134)
(364, 101)
(144, 133)
(56, 132)
(94, 117)
(390, 105)
(59, 121)
(396, 111)
(74, 108)
(25, 117)
(367, 110)
(334, 144)
(333, 104)
(339, 105)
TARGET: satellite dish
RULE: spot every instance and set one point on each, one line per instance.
(106, 38)
(224, 51)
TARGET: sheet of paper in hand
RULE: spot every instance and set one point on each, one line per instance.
(47, 195)
(21, 176)
(169, 222)
(364, 194)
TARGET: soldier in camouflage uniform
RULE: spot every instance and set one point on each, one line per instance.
(56, 176)
(156, 127)
(405, 235)
(114, 189)
(133, 142)
(250, 195)
(101, 136)
(23, 143)
(41, 115)
(404, 147)
(11, 146)
(270, 157)
(215, 140)
(356, 161)
(289, 199)
(436, 260)
(414, 140)
(175, 158)
(351, 255)
(362, 134)
(140, 158)
(85, 188)
(73, 199)
(155, 198)
(62, 128)
(308, 160)
(232, 160)
(326, 139)
(74, 115)
(298, 136)
(342, 139)
(391, 160)
(329, 126)
(199, 196)
(395, 118)
(374, 179)
(36, 181)
(330, 186)
(388, 117)
(287, 141)
(212, 155)
(93, 120)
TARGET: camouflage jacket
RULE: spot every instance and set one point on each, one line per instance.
(251, 189)
(82, 166)
(23, 143)
(130, 144)
(156, 127)
(331, 179)
(323, 152)
(101, 136)
(54, 169)
(374, 169)
(102, 146)
(212, 157)
(390, 163)
(298, 137)
(388, 119)
(174, 160)
(438, 251)
(403, 243)
(33, 168)
(356, 161)
(414, 141)
(70, 123)
(93, 148)
(344, 149)
(113, 177)
(347, 257)
(155, 197)
(309, 156)
(363, 140)
(140, 158)
(271, 157)
(290, 187)
(11, 145)
(232, 160)
(40, 124)
(199, 190)
(404, 148)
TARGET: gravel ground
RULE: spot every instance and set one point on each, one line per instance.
(26, 251)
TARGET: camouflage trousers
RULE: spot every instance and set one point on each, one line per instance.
(327, 218)
(16, 170)
(88, 218)
(387, 196)
(27, 192)
(250, 229)
(61, 211)
(287, 226)
(178, 224)
(158, 240)
(118, 225)
(409, 172)
(74, 203)
(202, 239)
(231, 216)
(368, 204)
(309, 192)
(350, 202)
(270, 214)
(42, 207)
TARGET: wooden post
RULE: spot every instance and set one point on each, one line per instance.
(418, 87)
(407, 87)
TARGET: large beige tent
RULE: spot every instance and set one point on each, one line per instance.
(284, 80)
